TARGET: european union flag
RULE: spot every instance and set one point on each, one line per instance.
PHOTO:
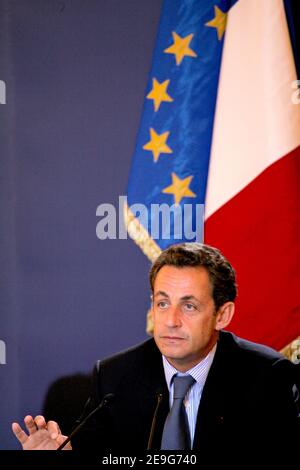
(167, 183)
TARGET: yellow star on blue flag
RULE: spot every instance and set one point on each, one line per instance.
(176, 126)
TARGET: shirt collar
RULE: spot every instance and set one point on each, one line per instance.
(199, 372)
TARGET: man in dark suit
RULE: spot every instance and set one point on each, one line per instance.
(242, 395)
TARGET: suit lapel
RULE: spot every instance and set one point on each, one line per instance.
(212, 409)
(152, 383)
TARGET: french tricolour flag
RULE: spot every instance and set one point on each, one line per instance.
(253, 191)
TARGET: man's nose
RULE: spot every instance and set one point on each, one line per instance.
(173, 317)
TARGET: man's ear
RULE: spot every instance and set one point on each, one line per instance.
(152, 302)
(224, 315)
(150, 311)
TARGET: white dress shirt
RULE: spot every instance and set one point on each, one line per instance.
(193, 397)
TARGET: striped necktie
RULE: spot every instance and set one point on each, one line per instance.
(176, 434)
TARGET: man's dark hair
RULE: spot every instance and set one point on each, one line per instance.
(220, 271)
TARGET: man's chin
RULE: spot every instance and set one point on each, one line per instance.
(172, 348)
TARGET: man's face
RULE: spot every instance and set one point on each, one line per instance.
(184, 315)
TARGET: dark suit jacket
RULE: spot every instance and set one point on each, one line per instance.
(247, 399)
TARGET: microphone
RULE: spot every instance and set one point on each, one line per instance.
(153, 424)
(106, 399)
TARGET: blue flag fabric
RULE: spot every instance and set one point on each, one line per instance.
(171, 160)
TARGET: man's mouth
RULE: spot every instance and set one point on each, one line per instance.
(172, 338)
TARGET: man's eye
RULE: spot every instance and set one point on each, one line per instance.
(162, 304)
(189, 307)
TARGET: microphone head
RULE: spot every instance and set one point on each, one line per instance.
(109, 397)
(105, 400)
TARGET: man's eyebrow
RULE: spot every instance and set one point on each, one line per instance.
(190, 297)
(162, 293)
(184, 298)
